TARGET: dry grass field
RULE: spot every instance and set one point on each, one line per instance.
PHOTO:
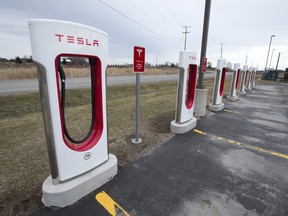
(10, 71)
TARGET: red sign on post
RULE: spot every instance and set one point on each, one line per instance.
(139, 59)
(204, 64)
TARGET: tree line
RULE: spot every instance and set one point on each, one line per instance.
(18, 60)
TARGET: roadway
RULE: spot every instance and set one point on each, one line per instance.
(9, 87)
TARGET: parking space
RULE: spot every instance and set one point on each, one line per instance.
(234, 163)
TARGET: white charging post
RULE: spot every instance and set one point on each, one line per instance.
(77, 167)
(243, 80)
(234, 83)
(184, 120)
(217, 104)
(254, 76)
(249, 79)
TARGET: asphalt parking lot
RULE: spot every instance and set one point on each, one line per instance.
(234, 162)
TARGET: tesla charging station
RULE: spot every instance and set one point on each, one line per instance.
(254, 75)
(243, 80)
(249, 79)
(77, 166)
(217, 104)
(234, 84)
(184, 120)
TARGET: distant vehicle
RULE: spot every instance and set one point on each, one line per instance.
(270, 75)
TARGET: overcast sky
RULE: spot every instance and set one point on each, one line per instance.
(244, 26)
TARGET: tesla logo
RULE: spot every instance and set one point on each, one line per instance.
(192, 57)
(87, 156)
(76, 40)
(139, 59)
(139, 52)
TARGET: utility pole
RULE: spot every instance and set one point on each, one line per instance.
(268, 51)
(201, 90)
(200, 83)
(246, 59)
(221, 49)
(278, 61)
(185, 32)
(271, 58)
(275, 71)
(156, 62)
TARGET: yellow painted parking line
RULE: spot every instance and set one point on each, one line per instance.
(231, 111)
(200, 132)
(234, 142)
(109, 204)
(255, 148)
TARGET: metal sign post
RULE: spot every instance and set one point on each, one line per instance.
(139, 67)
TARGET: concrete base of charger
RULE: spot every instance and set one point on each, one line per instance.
(242, 93)
(183, 127)
(216, 108)
(67, 193)
(200, 102)
(232, 98)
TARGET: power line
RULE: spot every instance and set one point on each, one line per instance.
(185, 32)
(181, 12)
(148, 16)
(139, 9)
(137, 23)
(169, 8)
(159, 11)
